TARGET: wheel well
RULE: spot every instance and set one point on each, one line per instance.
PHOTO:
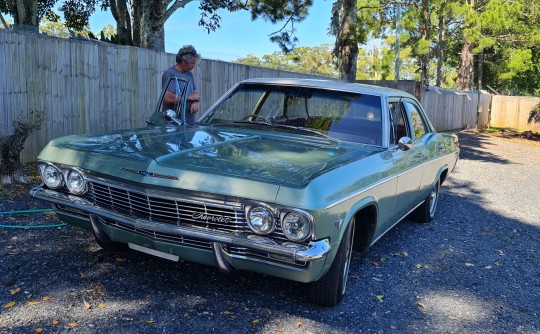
(365, 223)
(443, 175)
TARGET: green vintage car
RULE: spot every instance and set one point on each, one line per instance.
(284, 177)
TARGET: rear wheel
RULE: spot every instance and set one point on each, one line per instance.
(329, 290)
(425, 212)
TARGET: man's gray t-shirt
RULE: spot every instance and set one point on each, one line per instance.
(176, 89)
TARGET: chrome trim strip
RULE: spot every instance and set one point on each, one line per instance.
(397, 222)
(313, 251)
(346, 198)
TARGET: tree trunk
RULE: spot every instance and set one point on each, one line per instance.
(346, 47)
(11, 169)
(153, 18)
(440, 47)
(480, 69)
(25, 12)
(466, 60)
(465, 69)
(425, 35)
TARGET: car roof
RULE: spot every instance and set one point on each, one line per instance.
(331, 85)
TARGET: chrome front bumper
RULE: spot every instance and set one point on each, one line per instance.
(315, 250)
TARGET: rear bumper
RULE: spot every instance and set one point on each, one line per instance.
(121, 228)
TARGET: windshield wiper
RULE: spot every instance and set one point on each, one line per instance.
(308, 130)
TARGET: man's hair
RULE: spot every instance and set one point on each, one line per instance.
(187, 53)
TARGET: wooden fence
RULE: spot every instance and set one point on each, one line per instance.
(452, 110)
(90, 86)
(514, 112)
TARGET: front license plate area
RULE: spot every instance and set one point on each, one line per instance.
(154, 252)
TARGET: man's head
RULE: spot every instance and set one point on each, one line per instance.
(187, 57)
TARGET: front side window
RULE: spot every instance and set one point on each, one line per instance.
(399, 127)
(417, 120)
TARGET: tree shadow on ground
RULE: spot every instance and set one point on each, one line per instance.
(477, 147)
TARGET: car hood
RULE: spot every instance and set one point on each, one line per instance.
(266, 156)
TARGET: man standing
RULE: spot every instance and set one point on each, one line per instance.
(186, 59)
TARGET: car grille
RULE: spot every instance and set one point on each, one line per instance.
(169, 211)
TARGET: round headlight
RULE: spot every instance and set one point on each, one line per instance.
(52, 177)
(260, 220)
(296, 226)
(75, 182)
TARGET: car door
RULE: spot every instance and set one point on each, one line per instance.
(425, 140)
(407, 162)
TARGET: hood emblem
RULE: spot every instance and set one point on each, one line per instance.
(147, 173)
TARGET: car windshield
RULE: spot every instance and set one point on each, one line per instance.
(340, 115)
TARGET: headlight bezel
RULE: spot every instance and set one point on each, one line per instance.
(75, 190)
(271, 215)
(307, 221)
(44, 175)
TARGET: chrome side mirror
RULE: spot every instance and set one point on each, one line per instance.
(405, 143)
(170, 117)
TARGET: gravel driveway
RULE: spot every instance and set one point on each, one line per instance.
(474, 269)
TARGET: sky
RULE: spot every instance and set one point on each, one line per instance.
(238, 35)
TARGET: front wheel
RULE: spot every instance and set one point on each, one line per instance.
(425, 212)
(103, 239)
(329, 290)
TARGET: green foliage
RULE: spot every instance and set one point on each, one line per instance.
(315, 60)
(275, 11)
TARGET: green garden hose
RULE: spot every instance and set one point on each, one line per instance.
(29, 227)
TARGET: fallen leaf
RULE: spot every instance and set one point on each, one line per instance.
(149, 321)
(55, 322)
(488, 267)
(101, 305)
(384, 259)
(380, 298)
(468, 264)
(73, 324)
(1, 320)
(255, 322)
(280, 330)
(228, 313)
(47, 298)
(15, 291)
(402, 254)
(393, 327)
(418, 266)
(421, 305)
(32, 303)
(298, 324)
(10, 304)
(186, 314)
(39, 330)
(127, 319)
(119, 260)
(86, 305)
